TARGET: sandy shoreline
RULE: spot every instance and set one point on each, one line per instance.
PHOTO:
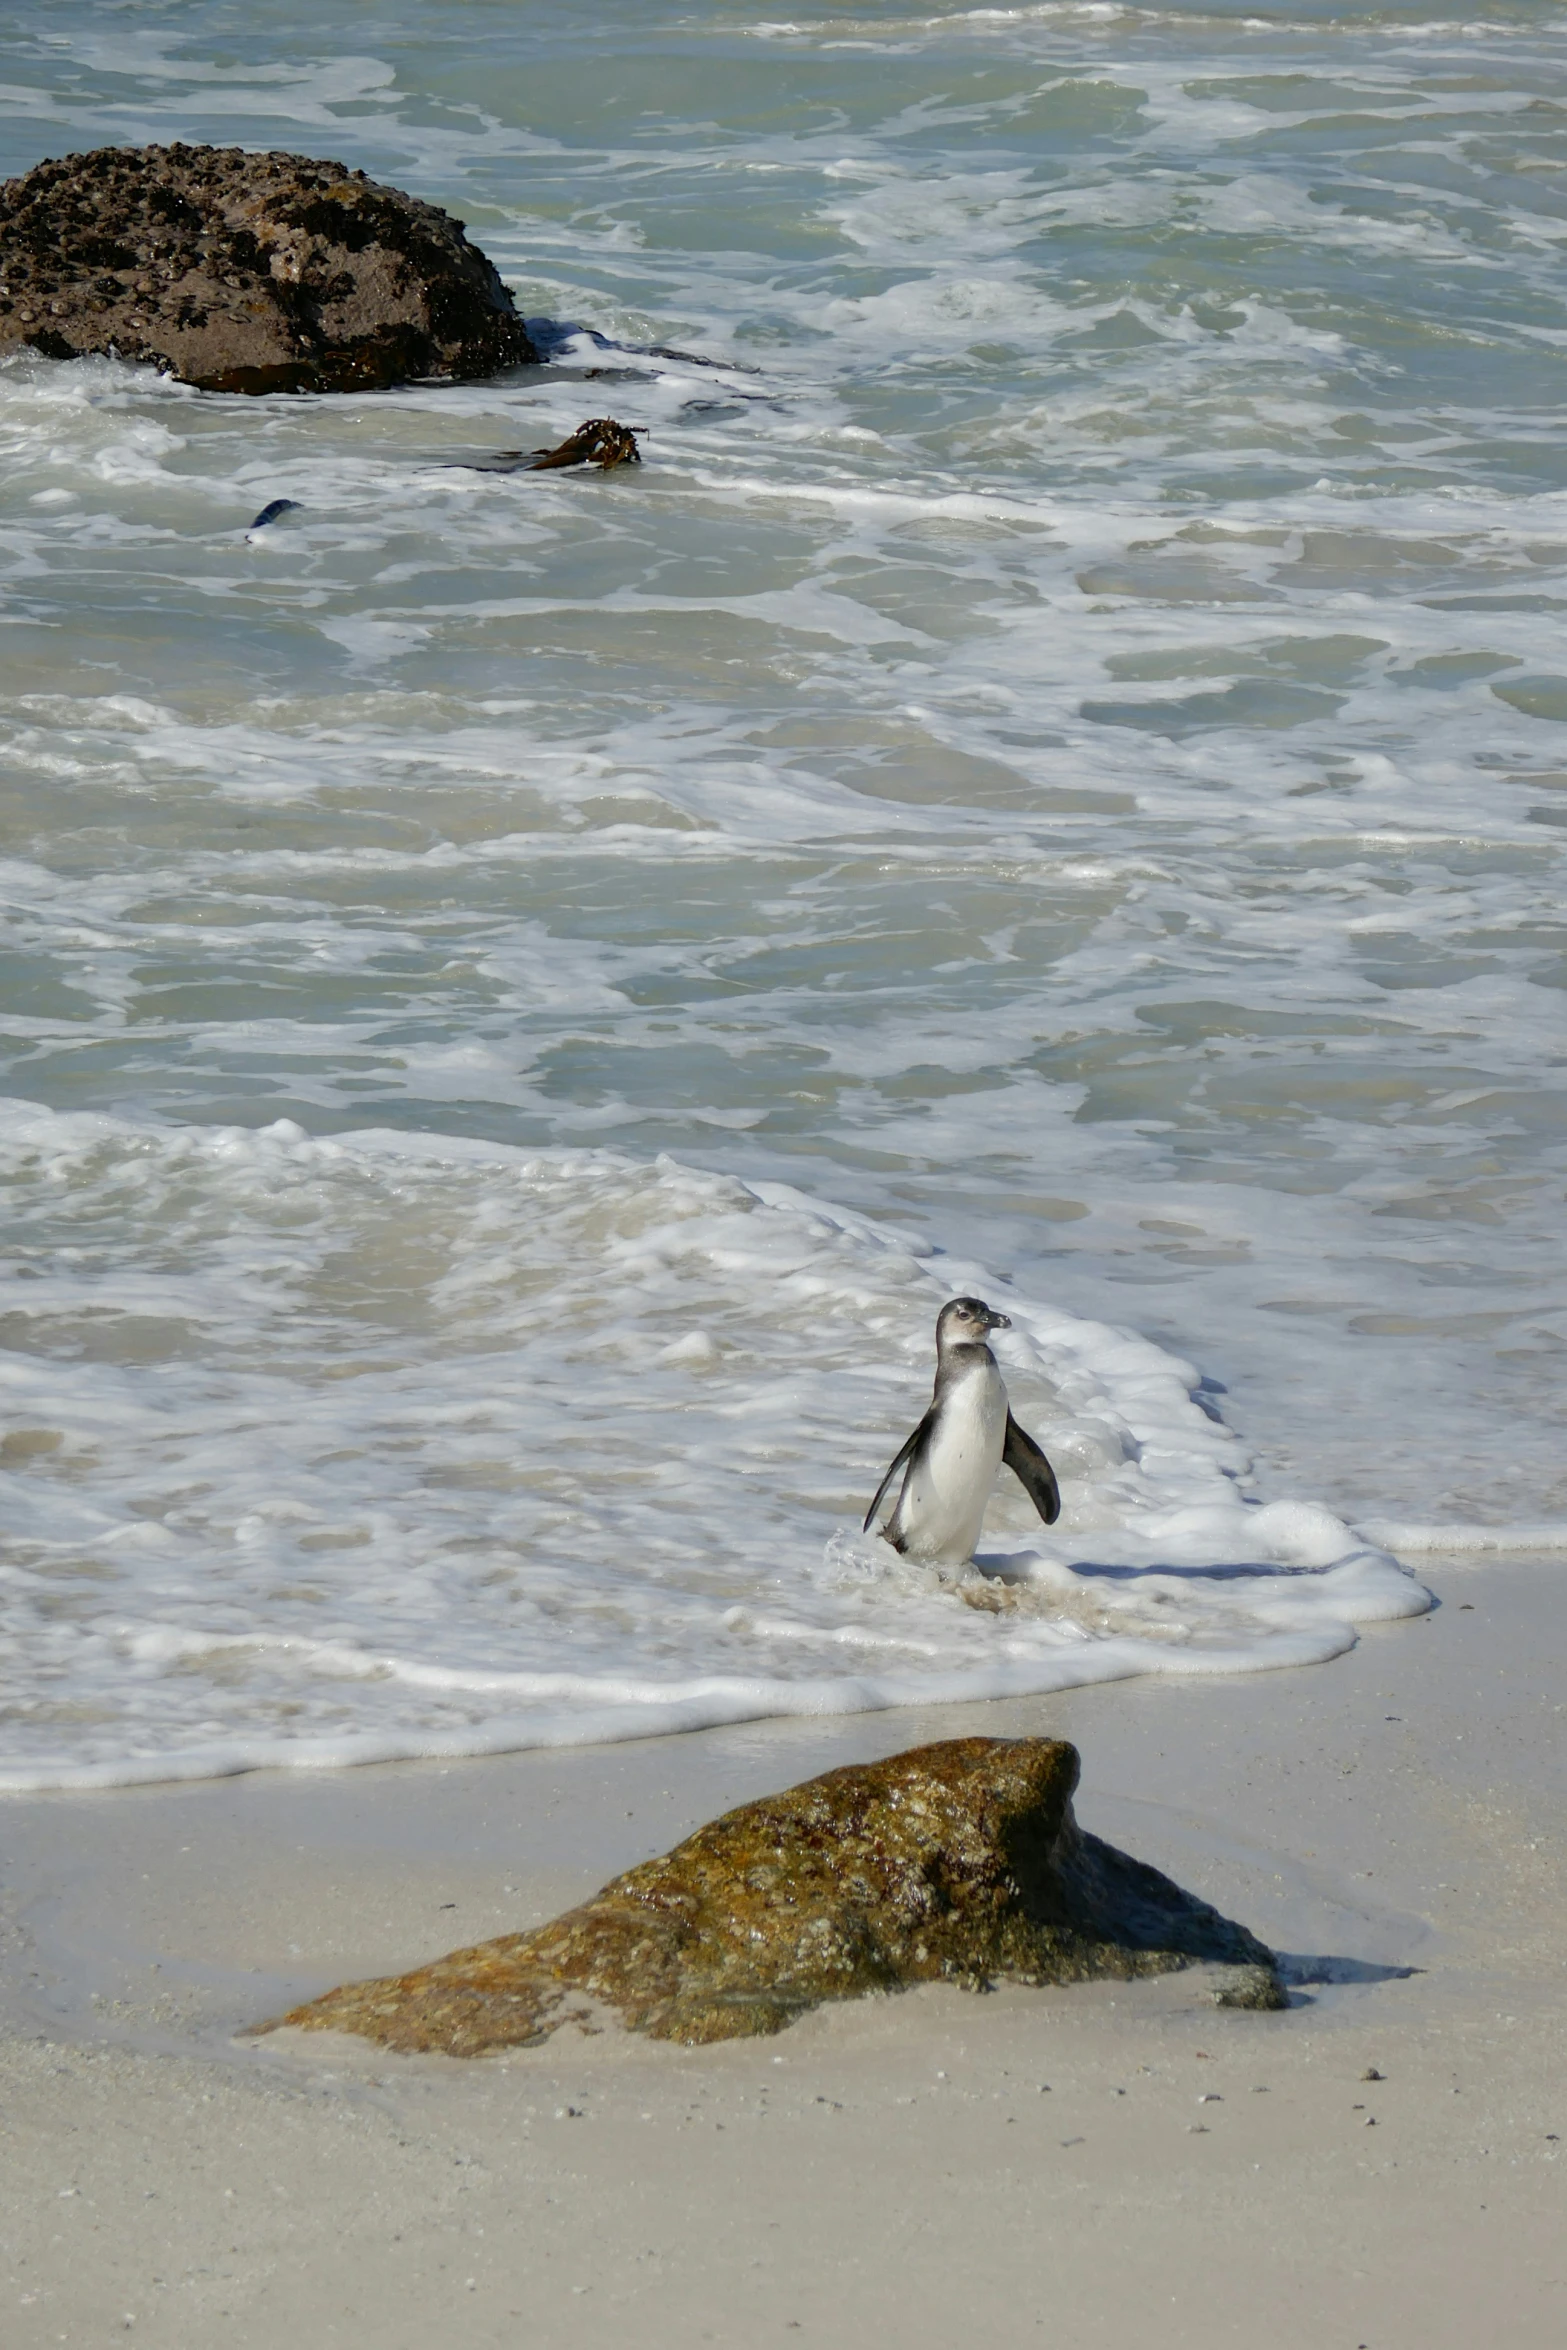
(1027, 2166)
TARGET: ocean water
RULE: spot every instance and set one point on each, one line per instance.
(520, 995)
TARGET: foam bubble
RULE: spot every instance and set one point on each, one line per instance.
(1393, 1534)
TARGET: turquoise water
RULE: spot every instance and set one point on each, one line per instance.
(1058, 752)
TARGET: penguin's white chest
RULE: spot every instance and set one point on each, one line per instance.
(943, 1504)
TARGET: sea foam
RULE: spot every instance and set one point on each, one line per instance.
(325, 1451)
(1058, 747)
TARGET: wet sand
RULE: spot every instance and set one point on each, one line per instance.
(1084, 2167)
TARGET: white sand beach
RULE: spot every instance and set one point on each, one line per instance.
(1096, 2166)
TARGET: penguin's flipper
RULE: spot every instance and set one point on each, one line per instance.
(901, 1458)
(1031, 1469)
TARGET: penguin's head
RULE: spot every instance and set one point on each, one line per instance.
(967, 1321)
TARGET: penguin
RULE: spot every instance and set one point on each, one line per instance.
(949, 1463)
(272, 512)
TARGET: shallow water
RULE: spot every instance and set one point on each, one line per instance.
(1056, 759)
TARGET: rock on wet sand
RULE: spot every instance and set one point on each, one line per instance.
(246, 273)
(956, 1862)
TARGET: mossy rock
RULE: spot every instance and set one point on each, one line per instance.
(246, 273)
(959, 1862)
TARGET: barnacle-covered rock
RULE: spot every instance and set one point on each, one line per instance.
(958, 1862)
(246, 273)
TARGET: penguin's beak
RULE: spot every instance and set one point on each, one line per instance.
(999, 1321)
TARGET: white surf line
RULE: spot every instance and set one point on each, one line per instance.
(1394, 1535)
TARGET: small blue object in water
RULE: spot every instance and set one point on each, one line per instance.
(271, 513)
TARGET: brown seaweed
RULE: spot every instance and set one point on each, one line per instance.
(601, 442)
